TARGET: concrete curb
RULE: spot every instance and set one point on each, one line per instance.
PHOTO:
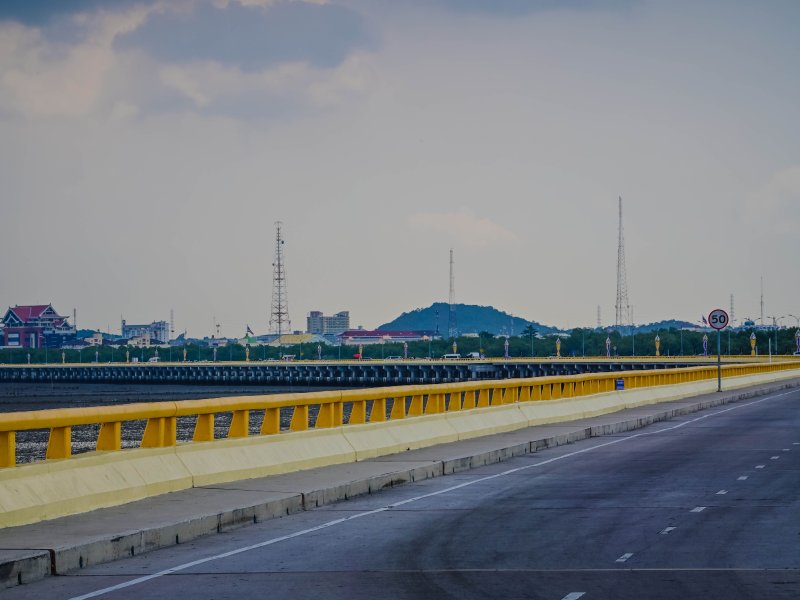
(25, 565)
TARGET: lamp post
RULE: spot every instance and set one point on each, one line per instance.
(608, 347)
(319, 352)
(658, 343)
(455, 347)
(753, 344)
(405, 350)
(558, 347)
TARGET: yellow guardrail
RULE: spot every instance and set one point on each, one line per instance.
(161, 428)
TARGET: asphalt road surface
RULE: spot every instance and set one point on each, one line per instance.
(701, 506)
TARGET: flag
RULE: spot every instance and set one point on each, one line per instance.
(250, 331)
(704, 321)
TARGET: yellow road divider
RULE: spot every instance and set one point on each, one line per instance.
(420, 416)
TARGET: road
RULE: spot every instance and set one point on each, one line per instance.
(701, 506)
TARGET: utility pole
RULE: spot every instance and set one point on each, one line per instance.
(452, 320)
(279, 315)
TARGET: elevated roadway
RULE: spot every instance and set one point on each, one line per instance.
(345, 373)
(699, 505)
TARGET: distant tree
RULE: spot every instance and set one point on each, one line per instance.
(486, 334)
(529, 332)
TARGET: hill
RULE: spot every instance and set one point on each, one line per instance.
(471, 319)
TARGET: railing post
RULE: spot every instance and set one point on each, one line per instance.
(8, 449)
(240, 424)
(525, 394)
(556, 393)
(469, 400)
(434, 404)
(270, 426)
(358, 414)
(299, 418)
(483, 398)
(415, 409)
(455, 402)
(497, 396)
(204, 429)
(568, 391)
(110, 437)
(511, 395)
(160, 432)
(59, 445)
(398, 408)
(547, 391)
(536, 392)
(378, 412)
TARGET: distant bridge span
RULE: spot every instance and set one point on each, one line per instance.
(345, 373)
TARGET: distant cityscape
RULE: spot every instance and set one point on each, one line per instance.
(42, 326)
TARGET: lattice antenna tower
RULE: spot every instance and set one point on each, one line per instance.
(599, 323)
(279, 322)
(452, 318)
(171, 323)
(730, 320)
(623, 309)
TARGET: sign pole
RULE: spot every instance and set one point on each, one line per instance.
(718, 319)
(719, 363)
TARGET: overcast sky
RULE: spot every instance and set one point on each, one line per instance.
(148, 147)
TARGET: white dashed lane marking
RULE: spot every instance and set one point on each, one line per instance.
(742, 478)
(666, 530)
(625, 557)
(760, 466)
(773, 458)
(573, 596)
(698, 509)
(722, 492)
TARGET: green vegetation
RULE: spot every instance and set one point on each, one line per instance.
(580, 342)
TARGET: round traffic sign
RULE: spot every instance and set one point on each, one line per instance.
(718, 319)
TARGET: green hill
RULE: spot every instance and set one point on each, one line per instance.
(471, 319)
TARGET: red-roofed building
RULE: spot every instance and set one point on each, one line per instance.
(36, 326)
(356, 337)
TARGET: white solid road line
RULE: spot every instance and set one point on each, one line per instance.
(624, 557)
(573, 596)
(742, 478)
(722, 492)
(698, 509)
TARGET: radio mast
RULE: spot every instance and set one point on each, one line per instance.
(279, 322)
(452, 320)
(623, 309)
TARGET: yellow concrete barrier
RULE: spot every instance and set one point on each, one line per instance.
(111, 476)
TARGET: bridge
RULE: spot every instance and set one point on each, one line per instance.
(464, 489)
(346, 372)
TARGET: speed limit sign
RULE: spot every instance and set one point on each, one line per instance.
(718, 319)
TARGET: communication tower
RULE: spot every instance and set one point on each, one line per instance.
(599, 325)
(762, 301)
(452, 319)
(279, 322)
(171, 323)
(731, 319)
(623, 309)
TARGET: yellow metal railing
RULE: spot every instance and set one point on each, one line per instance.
(161, 428)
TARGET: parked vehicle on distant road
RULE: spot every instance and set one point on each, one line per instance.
(451, 356)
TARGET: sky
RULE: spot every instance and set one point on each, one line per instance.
(147, 149)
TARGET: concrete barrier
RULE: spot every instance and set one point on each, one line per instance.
(54, 488)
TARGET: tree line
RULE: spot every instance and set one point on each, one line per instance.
(580, 342)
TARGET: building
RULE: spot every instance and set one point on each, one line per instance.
(317, 323)
(36, 326)
(358, 337)
(140, 340)
(157, 330)
(95, 340)
(291, 339)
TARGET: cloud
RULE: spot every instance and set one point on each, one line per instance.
(37, 13)
(251, 38)
(513, 8)
(465, 226)
(776, 206)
